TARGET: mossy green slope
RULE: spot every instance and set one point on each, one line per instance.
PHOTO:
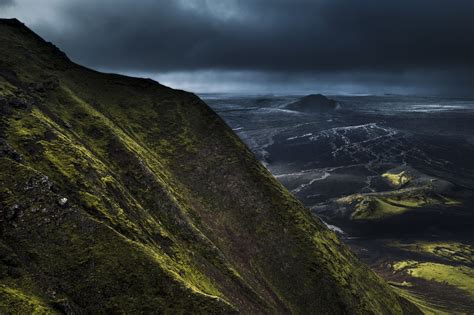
(120, 195)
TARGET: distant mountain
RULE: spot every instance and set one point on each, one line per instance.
(120, 195)
(313, 103)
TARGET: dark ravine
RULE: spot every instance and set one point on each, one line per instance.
(120, 195)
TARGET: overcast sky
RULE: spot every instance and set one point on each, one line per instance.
(267, 46)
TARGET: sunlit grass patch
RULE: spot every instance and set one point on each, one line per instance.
(14, 299)
(397, 179)
(461, 277)
(425, 306)
(377, 206)
(452, 251)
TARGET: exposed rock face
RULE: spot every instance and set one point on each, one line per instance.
(166, 211)
(313, 103)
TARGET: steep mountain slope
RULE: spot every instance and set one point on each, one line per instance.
(121, 195)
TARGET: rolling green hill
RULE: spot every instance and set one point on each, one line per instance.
(120, 195)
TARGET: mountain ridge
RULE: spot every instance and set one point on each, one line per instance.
(122, 195)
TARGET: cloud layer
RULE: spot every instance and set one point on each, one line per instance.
(5, 3)
(286, 37)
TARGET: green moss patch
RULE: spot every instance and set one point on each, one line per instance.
(426, 307)
(452, 251)
(16, 301)
(377, 206)
(397, 179)
(461, 277)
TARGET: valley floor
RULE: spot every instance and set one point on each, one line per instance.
(392, 175)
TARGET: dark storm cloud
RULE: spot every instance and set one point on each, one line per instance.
(5, 3)
(280, 35)
(283, 37)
